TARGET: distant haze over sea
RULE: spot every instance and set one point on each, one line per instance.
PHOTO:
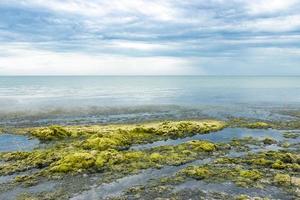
(38, 99)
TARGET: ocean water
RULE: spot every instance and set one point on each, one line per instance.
(101, 99)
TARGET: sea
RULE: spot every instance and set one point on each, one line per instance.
(43, 100)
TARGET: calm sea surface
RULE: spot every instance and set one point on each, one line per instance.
(93, 99)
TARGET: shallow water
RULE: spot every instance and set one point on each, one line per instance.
(13, 194)
(230, 188)
(224, 135)
(10, 142)
(35, 101)
(118, 187)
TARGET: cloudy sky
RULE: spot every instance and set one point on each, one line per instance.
(143, 37)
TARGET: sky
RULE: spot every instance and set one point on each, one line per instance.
(143, 37)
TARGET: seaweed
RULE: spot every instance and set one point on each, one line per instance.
(282, 179)
(210, 173)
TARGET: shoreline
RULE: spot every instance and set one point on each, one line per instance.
(79, 157)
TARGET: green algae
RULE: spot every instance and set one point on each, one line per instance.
(285, 145)
(37, 159)
(242, 197)
(51, 133)
(241, 177)
(269, 141)
(102, 146)
(198, 145)
(286, 125)
(104, 149)
(250, 174)
(246, 123)
(72, 159)
(197, 172)
(258, 125)
(156, 157)
(252, 170)
(26, 180)
(255, 124)
(14, 156)
(128, 133)
(291, 135)
(269, 159)
(282, 179)
(101, 143)
(74, 162)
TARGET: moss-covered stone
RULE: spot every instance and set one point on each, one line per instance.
(26, 180)
(156, 157)
(197, 172)
(51, 133)
(258, 125)
(286, 125)
(282, 179)
(202, 145)
(74, 162)
(14, 155)
(278, 164)
(245, 123)
(102, 143)
(291, 135)
(270, 159)
(129, 134)
(242, 197)
(251, 174)
(210, 173)
(269, 141)
(21, 162)
(77, 151)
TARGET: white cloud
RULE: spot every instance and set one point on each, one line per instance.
(22, 59)
(156, 9)
(269, 6)
(275, 24)
(136, 45)
(108, 36)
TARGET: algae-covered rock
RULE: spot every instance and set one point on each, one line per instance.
(258, 125)
(250, 174)
(180, 128)
(261, 161)
(269, 141)
(242, 122)
(26, 180)
(278, 164)
(155, 157)
(270, 159)
(282, 179)
(197, 172)
(129, 134)
(291, 135)
(74, 162)
(14, 155)
(242, 197)
(51, 133)
(28, 160)
(215, 173)
(101, 143)
(103, 157)
(202, 145)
